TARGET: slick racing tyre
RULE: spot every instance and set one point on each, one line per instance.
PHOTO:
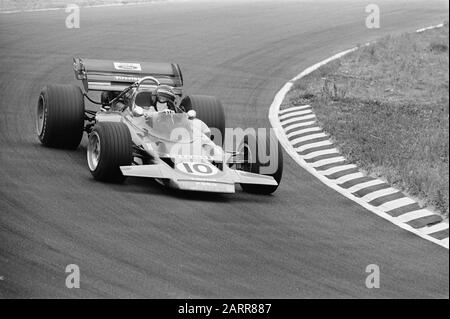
(109, 147)
(268, 161)
(60, 116)
(210, 111)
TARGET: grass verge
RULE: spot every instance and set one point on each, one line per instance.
(386, 107)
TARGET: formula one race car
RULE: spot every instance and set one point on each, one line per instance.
(146, 128)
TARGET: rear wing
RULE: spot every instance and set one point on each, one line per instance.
(104, 75)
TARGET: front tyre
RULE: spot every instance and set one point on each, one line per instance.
(109, 147)
(210, 111)
(60, 116)
(263, 155)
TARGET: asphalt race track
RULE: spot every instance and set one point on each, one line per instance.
(141, 240)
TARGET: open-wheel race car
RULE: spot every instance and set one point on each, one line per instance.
(146, 127)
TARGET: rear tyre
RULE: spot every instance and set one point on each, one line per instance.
(210, 111)
(60, 116)
(109, 147)
(272, 167)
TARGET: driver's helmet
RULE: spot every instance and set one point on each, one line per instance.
(165, 97)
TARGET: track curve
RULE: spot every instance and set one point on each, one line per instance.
(141, 240)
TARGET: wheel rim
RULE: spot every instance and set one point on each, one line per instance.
(93, 151)
(40, 115)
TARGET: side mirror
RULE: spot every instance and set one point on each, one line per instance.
(137, 111)
(191, 114)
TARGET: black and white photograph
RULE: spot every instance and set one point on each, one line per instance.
(224, 155)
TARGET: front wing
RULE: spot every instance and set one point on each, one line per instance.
(188, 176)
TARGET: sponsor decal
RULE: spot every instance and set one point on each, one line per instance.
(127, 78)
(124, 66)
(199, 169)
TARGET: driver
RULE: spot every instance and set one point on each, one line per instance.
(164, 102)
(165, 99)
